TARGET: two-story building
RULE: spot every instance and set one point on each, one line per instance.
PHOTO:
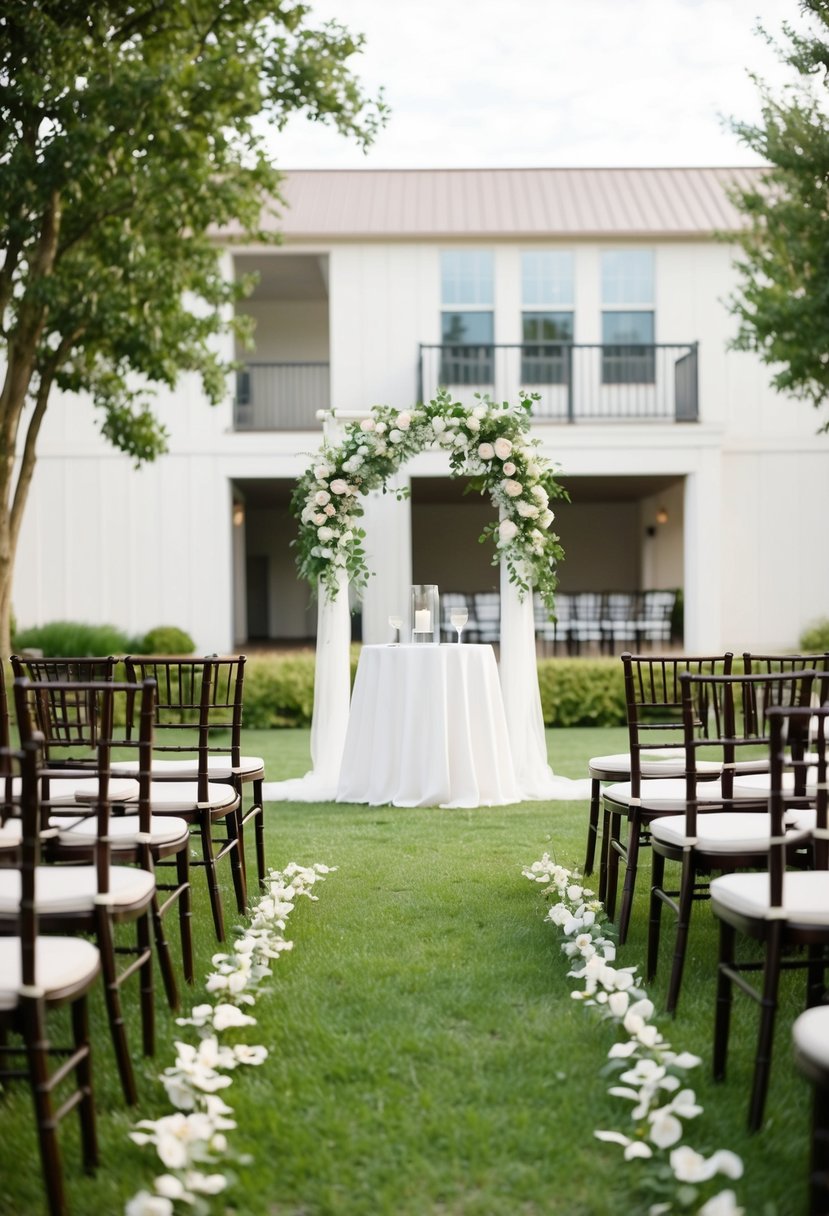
(603, 291)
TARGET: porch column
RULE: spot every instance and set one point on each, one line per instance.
(703, 556)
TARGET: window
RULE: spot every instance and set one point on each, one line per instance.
(545, 352)
(467, 328)
(546, 329)
(628, 353)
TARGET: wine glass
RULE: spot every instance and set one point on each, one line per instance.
(459, 617)
(396, 622)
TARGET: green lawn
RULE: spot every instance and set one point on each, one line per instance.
(426, 1056)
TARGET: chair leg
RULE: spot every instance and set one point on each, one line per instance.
(655, 917)
(722, 1016)
(112, 996)
(631, 867)
(147, 993)
(34, 1031)
(614, 844)
(259, 802)
(83, 1074)
(683, 923)
(165, 961)
(209, 863)
(592, 826)
(818, 1169)
(185, 914)
(765, 1038)
(236, 848)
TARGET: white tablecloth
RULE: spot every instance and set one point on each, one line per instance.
(427, 728)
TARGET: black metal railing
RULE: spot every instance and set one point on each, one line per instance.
(575, 382)
(281, 396)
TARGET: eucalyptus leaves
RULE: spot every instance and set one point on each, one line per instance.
(487, 443)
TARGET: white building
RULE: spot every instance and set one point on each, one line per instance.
(603, 290)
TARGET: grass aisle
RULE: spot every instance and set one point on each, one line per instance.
(423, 1060)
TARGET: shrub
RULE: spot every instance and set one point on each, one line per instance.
(815, 637)
(279, 691)
(72, 639)
(167, 639)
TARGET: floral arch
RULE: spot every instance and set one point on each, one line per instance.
(490, 445)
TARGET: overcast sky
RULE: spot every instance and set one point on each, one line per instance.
(550, 82)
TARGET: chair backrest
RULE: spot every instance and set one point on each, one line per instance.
(124, 719)
(67, 717)
(770, 663)
(488, 615)
(796, 778)
(26, 806)
(738, 734)
(653, 700)
(198, 707)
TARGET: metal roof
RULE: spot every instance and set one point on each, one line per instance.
(423, 204)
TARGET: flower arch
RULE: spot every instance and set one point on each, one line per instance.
(487, 443)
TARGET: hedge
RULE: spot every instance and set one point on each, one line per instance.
(279, 690)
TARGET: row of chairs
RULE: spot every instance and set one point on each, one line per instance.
(110, 784)
(726, 780)
(585, 622)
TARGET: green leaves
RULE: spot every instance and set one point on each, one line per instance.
(782, 305)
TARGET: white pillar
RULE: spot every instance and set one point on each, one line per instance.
(703, 556)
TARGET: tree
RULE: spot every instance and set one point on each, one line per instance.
(128, 138)
(782, 304)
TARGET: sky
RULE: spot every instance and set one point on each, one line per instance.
(568, 83)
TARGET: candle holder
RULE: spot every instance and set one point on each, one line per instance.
(425, 614)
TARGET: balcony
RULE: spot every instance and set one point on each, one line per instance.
(281, 396)
(575, 383)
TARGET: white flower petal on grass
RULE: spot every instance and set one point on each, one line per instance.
(666, 1129)
(145, 1204)
(206, 1184)
(690, 1166)
(618, 1003)
(723, 1204)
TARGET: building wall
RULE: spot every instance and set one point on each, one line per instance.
(103, 541)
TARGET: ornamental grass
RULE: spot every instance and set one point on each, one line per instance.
(425, 1052)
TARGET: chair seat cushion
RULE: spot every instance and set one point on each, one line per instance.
(662, 795)
(66, 791)
(123, 830)
(219, 768)
(805, 896)
(60, 963)
(667, 762)
(811, 1035)
(11, 834)
(66, 889)
(721, 832)
(169, 797)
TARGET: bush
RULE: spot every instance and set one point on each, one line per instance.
(815, 638)
(167, 639)
(72, 639)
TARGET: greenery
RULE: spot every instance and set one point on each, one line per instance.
(425, 1052)
(783, 301)
(816, 637)
(130, 135)
(75, 639)
(488, 444)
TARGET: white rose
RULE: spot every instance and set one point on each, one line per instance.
(486, 451)
(395, 436)
(381, 448)
(526, 510)
(507, 530)
(472, 423)
(330, 510)
(509, 469)
(404, 420)
(461, 440)
(438, 425)
(381, 428)
(321, 472)
(546, 518)
(541, 495)
(367, 425)
(512, 488)
(503, 447)
(339, 486)
(479, 412)
(322, 497)
(346, 538)
(319, 519)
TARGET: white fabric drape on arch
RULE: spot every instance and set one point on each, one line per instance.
(332, 696)
(522, 701)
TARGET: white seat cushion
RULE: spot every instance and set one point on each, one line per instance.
(760, 783)
(721, 832)
(669, 762)
(805, 896)
(167, 797)
(811, 1035)
(60, 962)
(219, 768)
(10, 834)
(662, 795)
(123, 829)
(74, 888)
